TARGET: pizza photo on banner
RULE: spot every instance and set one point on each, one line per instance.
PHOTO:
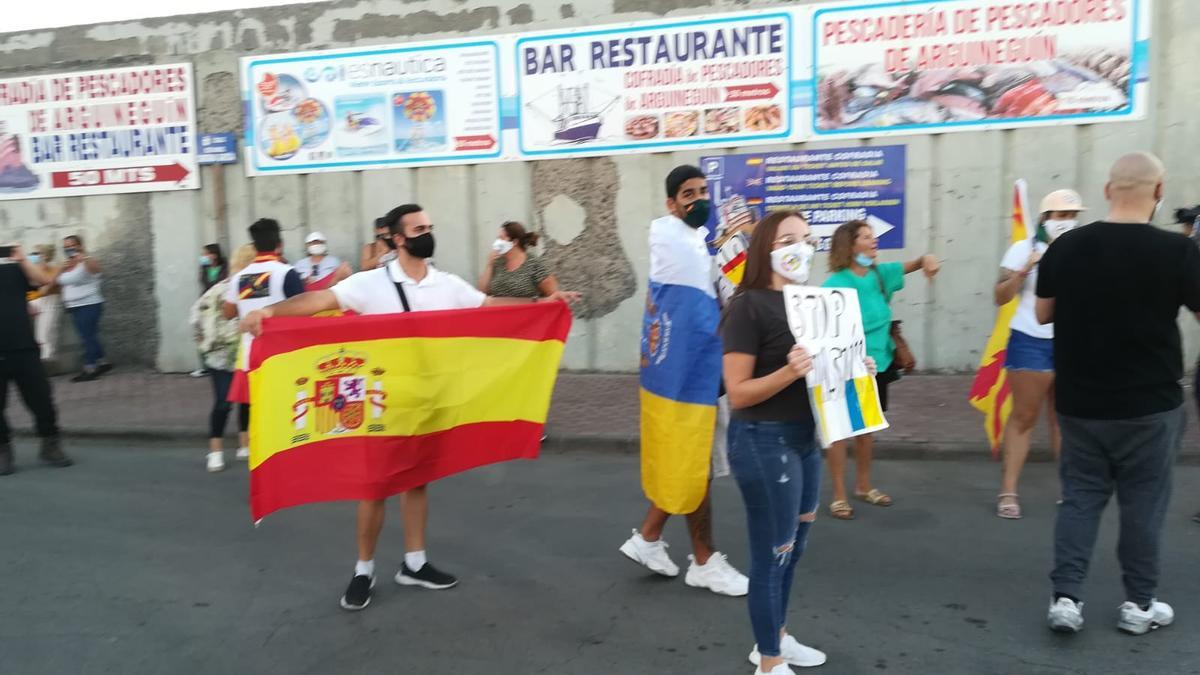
(412, 398)
(841, 390)
(944, 64)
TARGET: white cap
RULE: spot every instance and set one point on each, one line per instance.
(1062, 200)
(315, 236)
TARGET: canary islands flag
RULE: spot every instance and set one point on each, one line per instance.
(680, 380)
(990, 391)
(367, 407)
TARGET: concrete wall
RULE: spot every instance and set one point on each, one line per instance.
(593, 212)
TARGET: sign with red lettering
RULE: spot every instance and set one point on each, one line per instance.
(105, 131)
(964, 64)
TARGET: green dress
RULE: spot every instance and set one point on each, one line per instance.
(876, 312)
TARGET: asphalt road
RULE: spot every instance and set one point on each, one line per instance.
(136, 561)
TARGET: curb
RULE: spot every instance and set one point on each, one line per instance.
(629, 445)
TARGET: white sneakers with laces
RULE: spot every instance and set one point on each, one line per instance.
(1065, 616)
(794, 654)
(243, 453)
(650, 554)
(718, 576)
(216, 462)
(1136, 621)
(781, 669)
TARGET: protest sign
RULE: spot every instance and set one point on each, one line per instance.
(843, 394)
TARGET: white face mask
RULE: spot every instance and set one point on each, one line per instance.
(793, 262)
(1057, 228)
(317, 249)
(502, 246)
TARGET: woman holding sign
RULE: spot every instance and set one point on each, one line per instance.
(852, 255)
(1029, 357)
(773, 449)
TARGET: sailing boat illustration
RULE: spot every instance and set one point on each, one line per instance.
(577, 121)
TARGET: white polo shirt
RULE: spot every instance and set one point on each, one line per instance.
(374, 291)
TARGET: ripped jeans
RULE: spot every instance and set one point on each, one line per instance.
(778, 468)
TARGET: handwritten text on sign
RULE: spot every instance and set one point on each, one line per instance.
(828, 323)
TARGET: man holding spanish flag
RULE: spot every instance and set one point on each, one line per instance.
(408, 283)
(680, 383)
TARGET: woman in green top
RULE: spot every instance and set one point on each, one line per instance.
(852, 265)
(513, 272)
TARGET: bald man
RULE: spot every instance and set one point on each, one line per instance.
(1113, 290)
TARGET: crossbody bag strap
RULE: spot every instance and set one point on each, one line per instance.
(400, 291)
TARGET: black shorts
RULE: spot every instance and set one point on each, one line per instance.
(882, 380)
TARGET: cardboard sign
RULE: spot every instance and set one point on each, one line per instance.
(843, 394)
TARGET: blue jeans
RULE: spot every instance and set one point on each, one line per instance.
(87, 324)
(778, 468)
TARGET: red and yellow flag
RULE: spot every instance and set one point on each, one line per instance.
(367, 407)
(990, 391)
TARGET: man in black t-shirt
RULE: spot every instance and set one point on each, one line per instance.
(20, 360)
(1113, 290)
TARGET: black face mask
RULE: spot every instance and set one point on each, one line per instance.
(420, 247)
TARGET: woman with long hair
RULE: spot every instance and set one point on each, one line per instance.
(773, 449)
(1029, 357)
(852, 263)
(512, 271)
(213, 266)
(218, 338)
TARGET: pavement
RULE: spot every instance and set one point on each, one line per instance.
(929, 416)
(137, 561)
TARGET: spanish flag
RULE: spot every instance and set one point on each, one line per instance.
(367, 407)
(680, 380)
(990, 391)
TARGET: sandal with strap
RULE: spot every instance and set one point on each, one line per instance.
(841, 510)
(874, 497)
(1010, 511)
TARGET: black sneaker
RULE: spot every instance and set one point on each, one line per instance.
(104, 368)
(358, 593)
(426, 577)
(1196, 517)
(52, 453)
(6, 459)
(86, 376)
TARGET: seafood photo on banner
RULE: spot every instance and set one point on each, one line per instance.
(1093, 81)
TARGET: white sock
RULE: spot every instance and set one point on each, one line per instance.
(415, 560)
(364, 568)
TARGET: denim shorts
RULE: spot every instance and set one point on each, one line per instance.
(1026, 352)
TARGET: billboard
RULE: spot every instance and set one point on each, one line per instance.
(98, 132)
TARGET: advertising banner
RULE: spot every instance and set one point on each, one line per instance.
(944, 64)
(98, 132)
(841, 390)
(655, 86)
(427, 103)
(829, 186)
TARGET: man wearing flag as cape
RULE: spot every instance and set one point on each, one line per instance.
(680, 383)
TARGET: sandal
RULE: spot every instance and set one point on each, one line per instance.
(874, 497)
(841, 510)
(1011, 511)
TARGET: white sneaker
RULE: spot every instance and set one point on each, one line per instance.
(243, 453)
(1065, 616)
(794, 654)
(781, 669)
(1137, 622)
(650, 554)
(718, 576)
(216, 462)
